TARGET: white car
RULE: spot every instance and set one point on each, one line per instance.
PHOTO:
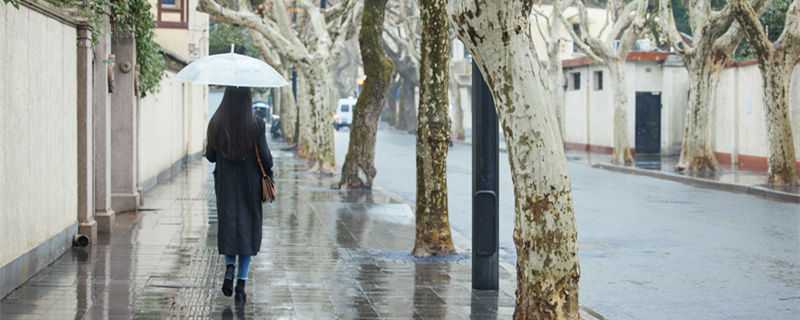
(343, 114)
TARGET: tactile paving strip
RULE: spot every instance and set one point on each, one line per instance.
(198, 291)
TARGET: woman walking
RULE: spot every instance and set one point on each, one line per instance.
(233, 134)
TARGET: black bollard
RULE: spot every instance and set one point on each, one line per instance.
(485, 182)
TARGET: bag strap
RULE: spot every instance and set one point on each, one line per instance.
(258, 157)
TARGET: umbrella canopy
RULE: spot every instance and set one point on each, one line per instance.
(231, 69)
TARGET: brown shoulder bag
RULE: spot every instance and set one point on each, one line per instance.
(267, 187)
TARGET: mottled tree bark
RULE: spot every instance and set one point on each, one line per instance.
(715, 36)
(497, 34)
(697, 153)
(433, 237)
(288, 113)
(319, 89)
(304, 135)
(776, 62)
(622, 147)
(358, 169)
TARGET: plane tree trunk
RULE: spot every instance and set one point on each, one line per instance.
(622, 148)
(358, 169)
(715, 36)
(303, 123)
(433, 237)
(697, 153)
(776, 62)
(497, 34)
(319, 87)
(288, 114)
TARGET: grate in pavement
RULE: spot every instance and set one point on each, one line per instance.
(200, 286)
(196, 287)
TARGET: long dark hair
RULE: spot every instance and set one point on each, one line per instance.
(233, 130)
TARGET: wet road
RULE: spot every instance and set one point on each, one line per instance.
(649, 249)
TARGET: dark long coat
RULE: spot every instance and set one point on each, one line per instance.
(238, 188)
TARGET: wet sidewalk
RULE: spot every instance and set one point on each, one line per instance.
(326, 254)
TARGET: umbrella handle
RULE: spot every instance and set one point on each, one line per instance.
(231, 47)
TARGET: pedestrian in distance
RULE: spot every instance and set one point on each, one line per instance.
(233, 134)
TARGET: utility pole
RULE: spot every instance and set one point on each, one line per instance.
(485, 182)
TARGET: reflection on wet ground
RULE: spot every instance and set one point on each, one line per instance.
(326, 254)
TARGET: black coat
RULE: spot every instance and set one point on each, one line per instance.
(238, 188)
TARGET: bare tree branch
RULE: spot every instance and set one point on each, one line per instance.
(731, 38)
(671, 30)
(268, 54)
(752, 27)
(342, 33)
(291, 48)
(790, 38)
(579, 40)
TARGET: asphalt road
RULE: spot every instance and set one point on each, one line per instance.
(648, 248)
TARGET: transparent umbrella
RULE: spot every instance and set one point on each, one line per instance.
(231, 69)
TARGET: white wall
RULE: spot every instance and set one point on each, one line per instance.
(597, 104)
(738, 121)
(38, 130)
(173, 124)
(575, 109)
(740, 94)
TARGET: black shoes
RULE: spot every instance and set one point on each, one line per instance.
(240, 297)
(227, 284)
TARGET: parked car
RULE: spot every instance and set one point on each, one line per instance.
(261, 110)
(343, 114)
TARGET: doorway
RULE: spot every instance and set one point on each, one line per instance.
(648, 123)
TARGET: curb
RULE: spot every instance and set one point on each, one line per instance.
(754, 190)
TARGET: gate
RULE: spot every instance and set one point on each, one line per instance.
(648, 123)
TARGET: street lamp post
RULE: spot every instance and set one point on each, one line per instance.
(485, 182)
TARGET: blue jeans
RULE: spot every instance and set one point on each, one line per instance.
(244, 265)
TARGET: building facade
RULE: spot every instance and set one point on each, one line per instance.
(79, 143)
(658, 94)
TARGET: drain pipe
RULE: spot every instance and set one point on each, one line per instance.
(80, 240)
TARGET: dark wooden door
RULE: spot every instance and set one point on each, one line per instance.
(648, 123)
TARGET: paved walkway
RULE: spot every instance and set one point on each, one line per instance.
(326, 254)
